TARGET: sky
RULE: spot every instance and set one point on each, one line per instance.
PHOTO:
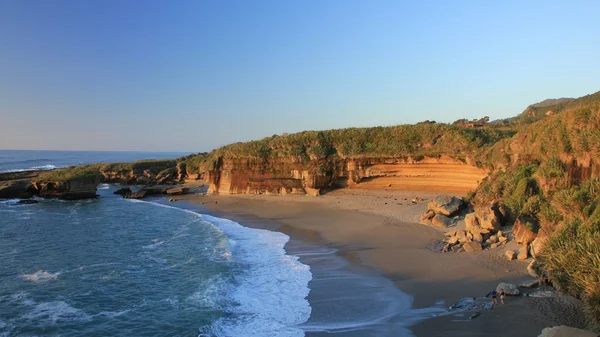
(195, 75)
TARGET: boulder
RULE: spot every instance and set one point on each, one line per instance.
(478, 237)
(523, 253)
(446, 205)
(441, 221)
(123, 191)
(500, 234)
(493, 239)
(529, 284)
(510, 255)
(472, 246)
(523, 234)
(471, 221)
(428, 215)
(27, 202)
(450, 233)
(565, 331)
(137, 195)
(494, 245)
(488, 219)
(502, 239)
(509, 289)
(452, 240)
(178, 190)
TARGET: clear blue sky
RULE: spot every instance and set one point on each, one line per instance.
(194, 75)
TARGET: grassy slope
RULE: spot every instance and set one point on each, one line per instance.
(538, 186)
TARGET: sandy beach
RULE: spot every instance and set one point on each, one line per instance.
(380, 230)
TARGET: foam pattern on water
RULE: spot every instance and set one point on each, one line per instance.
(270, 290)
(267, 297)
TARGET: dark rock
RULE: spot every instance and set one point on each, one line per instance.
(441, 221)
(27, 202)
(178, 190)
(123, 191)
(14, 188)
(137, 195)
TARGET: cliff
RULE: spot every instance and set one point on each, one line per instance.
(251, 176)
(423, 156)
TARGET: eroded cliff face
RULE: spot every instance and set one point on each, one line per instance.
(68, 190)
(287, 176)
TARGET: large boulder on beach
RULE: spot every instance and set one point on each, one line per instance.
(446, 205)
(523, 253)
(509, 289)
(470, 246)
(565, 331)
(178, 190)
(441, 221)
(488, 219)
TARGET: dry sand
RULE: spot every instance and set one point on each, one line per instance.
(379, 229)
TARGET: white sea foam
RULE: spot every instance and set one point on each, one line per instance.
(40, 276)
(33, 168)
(58, 311)
(103, 186)
(272, 289)
(156, 243)
(270, 292)
(113, 314)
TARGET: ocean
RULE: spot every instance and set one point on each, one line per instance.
(118, 267)
(21, 160)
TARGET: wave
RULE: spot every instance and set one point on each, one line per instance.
(266, 272)
(33, 168)
(279, 280)
(40, 276)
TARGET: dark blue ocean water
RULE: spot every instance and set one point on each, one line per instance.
(18, 160)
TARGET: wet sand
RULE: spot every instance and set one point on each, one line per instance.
(379, 231)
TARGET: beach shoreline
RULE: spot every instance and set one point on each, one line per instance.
(378, 231)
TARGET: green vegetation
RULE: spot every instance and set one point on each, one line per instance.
(86, 172)
(417, 141)
(138, 167)
(93, 171)
(571, 259)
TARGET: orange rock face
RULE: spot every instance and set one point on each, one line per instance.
(286, 176)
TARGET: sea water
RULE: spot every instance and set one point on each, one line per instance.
(116, 267)
(20, 160)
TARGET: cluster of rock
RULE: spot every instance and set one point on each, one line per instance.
(146, 191)
(440, 210)
(482, 227)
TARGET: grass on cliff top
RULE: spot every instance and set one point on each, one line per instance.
(94, 171)
(85, 172)
(153, 165)
(423, 139)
